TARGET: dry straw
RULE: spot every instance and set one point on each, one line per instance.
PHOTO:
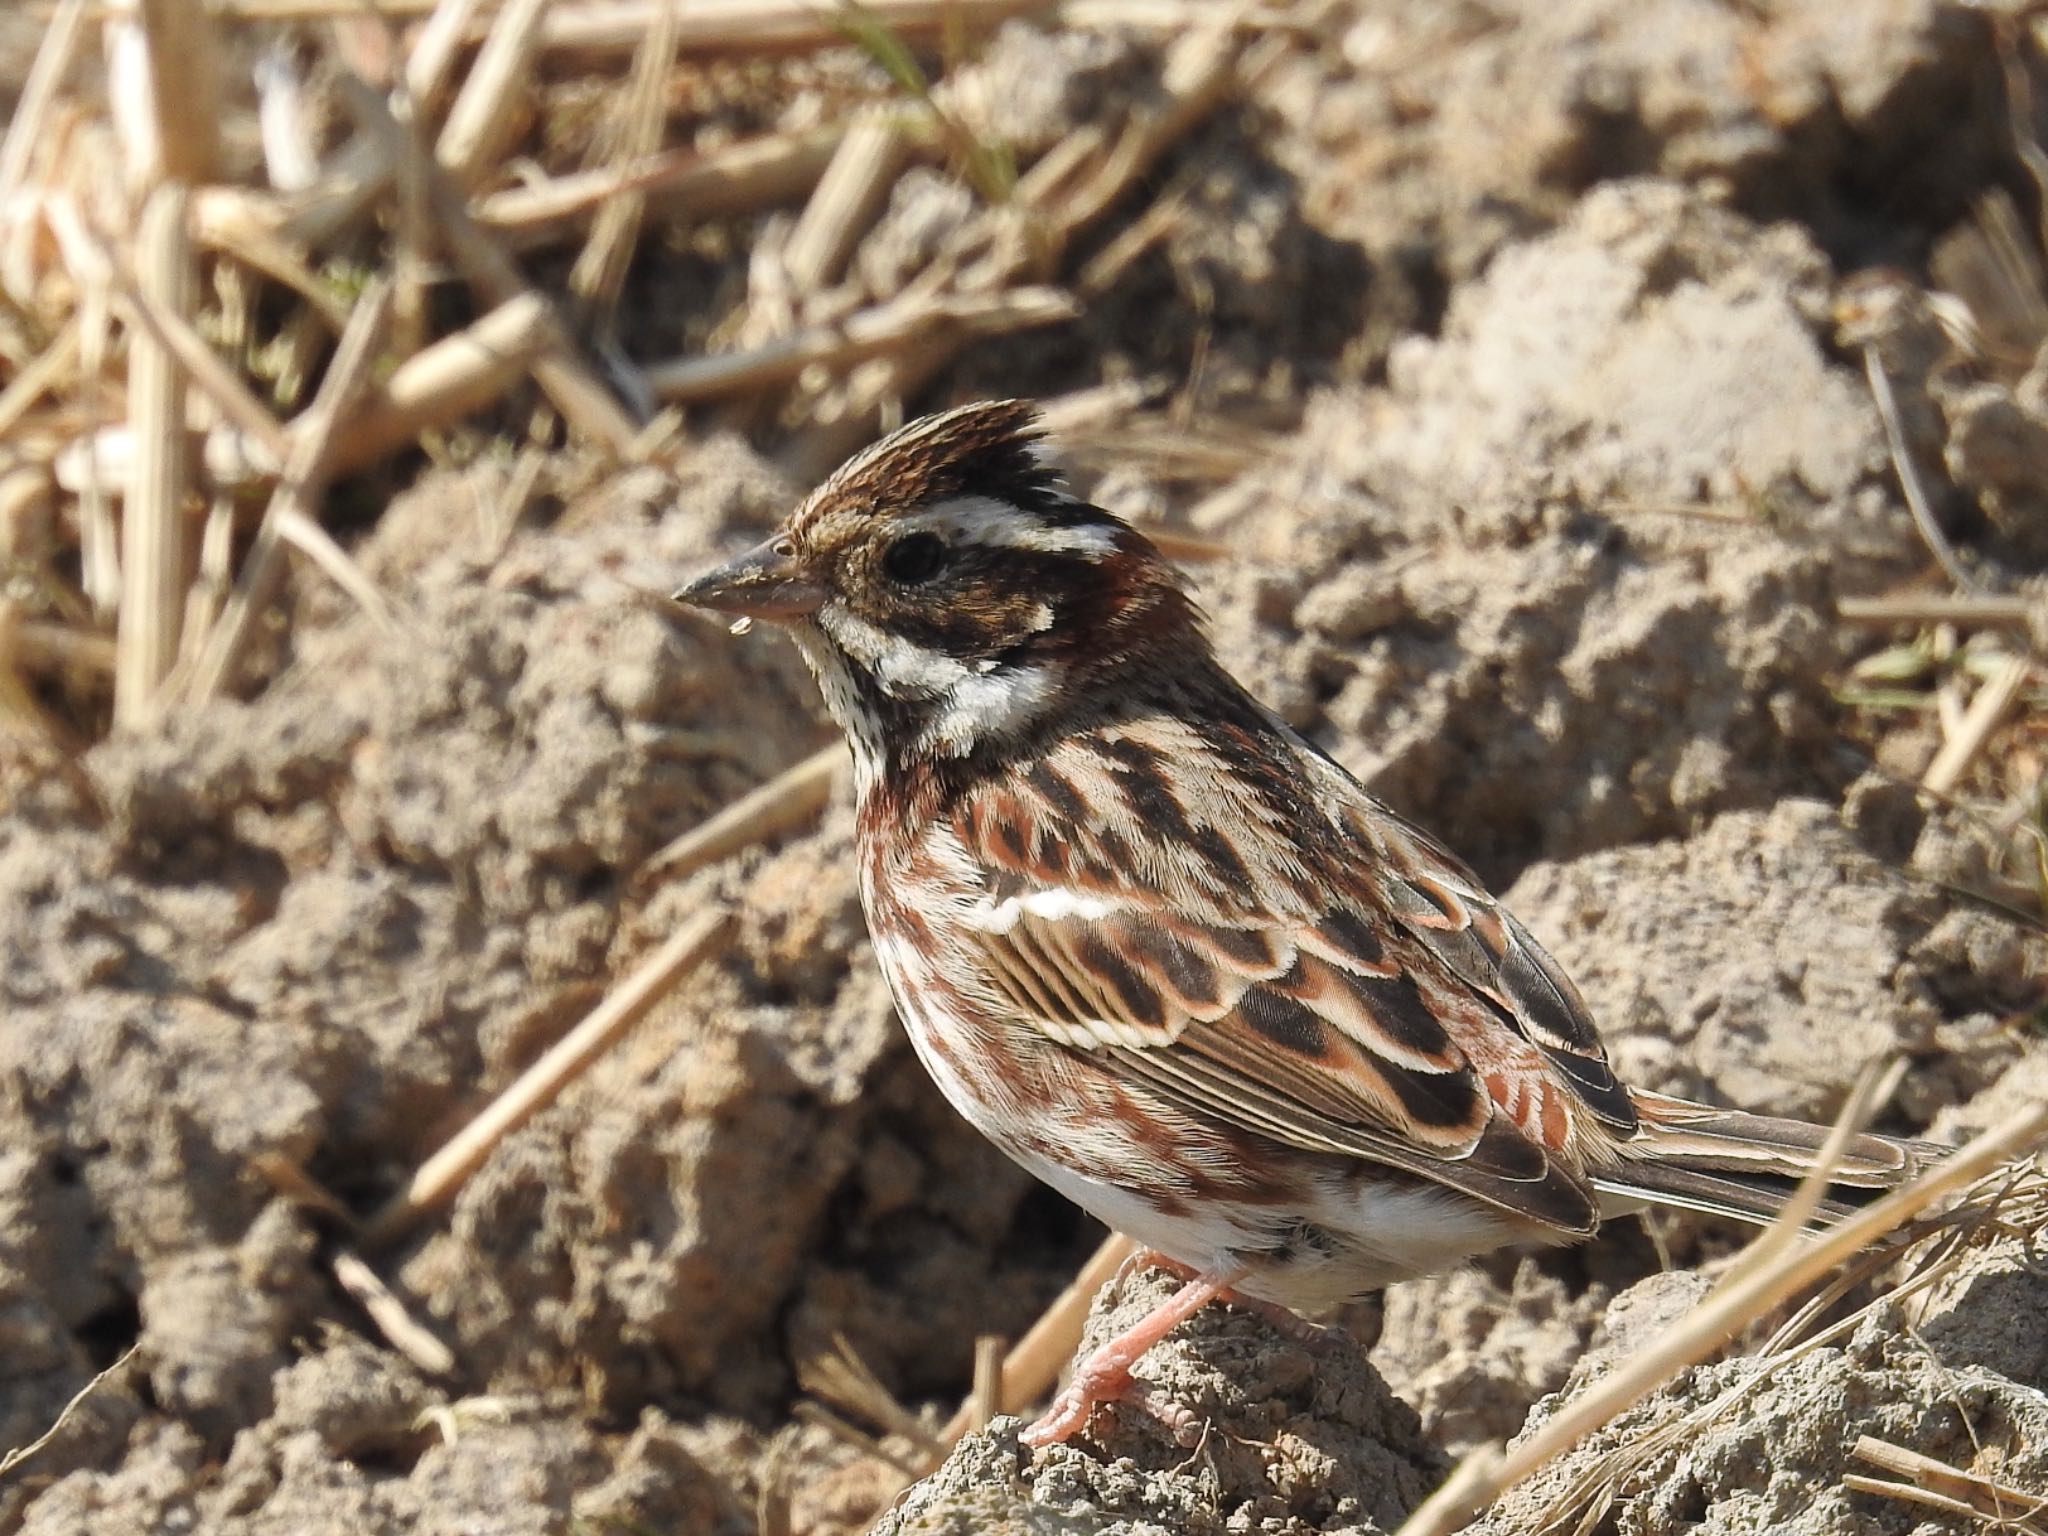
(1778, 1266)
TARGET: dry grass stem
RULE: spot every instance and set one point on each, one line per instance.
(846, 200)
(985, 1399)
(256, 230)
(1188, 548)
(1937, 1485)
(153, 555)
(840, 1377)
(763, 172)
(287, 227)
(1108, 266)
(599, 274)
(435, 49)
(1034, 1364)
(1988, 710)
(298, 491)
(384, 1308)
(20, 1454)
(1173, 15)
(787, 801)
(1917, 501)
(56, 363)
(1071, 186)
(1965, 610)
(585, 401)
(41, 646)
(169, 329)
(1746, 1293)
(184, 87)
(455, 377)
(288, 1179)
(297, 528)
(486, 112)
(1201, 68)
(438, 1179)
(764, 26)
(54, 58)
(901, 324)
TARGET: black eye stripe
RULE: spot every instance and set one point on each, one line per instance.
(914, 558)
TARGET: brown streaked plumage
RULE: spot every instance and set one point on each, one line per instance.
(1164, 952)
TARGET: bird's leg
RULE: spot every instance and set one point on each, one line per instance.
(1284, 1320)
(1105, 1375)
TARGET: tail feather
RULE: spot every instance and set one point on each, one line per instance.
(1728, 1163)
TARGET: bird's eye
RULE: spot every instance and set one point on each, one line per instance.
(914, 558)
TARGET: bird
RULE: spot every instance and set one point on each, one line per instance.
(1165, 951)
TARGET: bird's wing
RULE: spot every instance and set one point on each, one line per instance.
(1379, 1004)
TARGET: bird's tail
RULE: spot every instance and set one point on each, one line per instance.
(1728, 1163)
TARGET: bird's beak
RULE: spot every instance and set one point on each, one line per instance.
(764, 583)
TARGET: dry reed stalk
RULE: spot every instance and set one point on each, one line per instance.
(44, 647)
(184, 87)
(912, 321)
(19, 1454)
(131, 100)
(455, 377)
(57, 362)
(153, 563)
(840, 1377)
(288, 1179)
(384, 1308)
(1917, 501)
(435, 49)
(1968, 610)
(254, 445)
(1107, 267)
(1200, 70)
(1174, 15)
(21, 712)
(787, 801)
(846, 200)
(440, 1176)
(54, 58)
(986, 1395)
(1994, 702)
(233, 221)
(99, 555)
(1070, 187)
(1188, 548)
(599, 273)
(170, 330)
(298, 489)
(1952, 1490)
(583, 399)
(353, 178)
(486, 113)
(212, 580)
(752, 174)
(1034, 1364)
(296, 527)
(1748, 1291)
(764, 26)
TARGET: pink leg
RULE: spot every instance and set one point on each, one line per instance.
(1289, 1324)
(1105, 1375)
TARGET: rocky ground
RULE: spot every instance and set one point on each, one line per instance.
(1550, 326)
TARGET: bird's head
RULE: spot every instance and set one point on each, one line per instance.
(949, 593)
